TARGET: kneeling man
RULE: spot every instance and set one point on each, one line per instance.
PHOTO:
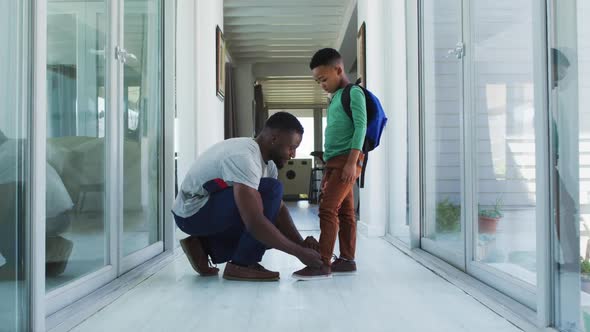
(230, 203)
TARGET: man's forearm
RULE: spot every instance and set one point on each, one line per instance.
(268, 234)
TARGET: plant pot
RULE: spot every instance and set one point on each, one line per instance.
(487, 225)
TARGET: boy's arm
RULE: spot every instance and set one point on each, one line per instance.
(349, 170)
(359, 119)
(358, 109)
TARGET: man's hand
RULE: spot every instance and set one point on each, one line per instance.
(311, 243)
(310, 257)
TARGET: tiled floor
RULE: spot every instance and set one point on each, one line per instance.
(391, 292)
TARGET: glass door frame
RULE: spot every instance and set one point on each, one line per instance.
(44, 305)
(425, 243)
(140, 256)
(537, 298)
(521, 291)
(63, 296)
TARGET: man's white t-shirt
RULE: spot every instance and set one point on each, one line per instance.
(236, 160)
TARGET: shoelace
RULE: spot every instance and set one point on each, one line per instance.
(259, 267)
(338, 259)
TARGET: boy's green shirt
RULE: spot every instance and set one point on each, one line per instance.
(343, 134)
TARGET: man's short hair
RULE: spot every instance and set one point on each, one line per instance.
(285, 122)
(324, 57)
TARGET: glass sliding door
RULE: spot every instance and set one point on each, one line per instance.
(14, 164)
(483, 100)
(503, 112)
(142, 119)
(441, 127)
(506, 101)
(104, 183)
(76, 224)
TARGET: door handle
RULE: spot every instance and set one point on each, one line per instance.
(458, 51)
(121, 54)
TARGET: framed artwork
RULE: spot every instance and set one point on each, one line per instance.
(361, 55)
(220, 63)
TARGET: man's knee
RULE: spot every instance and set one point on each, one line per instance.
(272, 187)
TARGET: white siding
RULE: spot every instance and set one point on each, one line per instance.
(502, 92)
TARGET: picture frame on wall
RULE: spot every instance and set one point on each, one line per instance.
(220, 63)
(361, 55)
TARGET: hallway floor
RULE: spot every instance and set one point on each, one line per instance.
(391, 292)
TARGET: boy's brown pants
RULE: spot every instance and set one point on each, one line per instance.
(337, 215)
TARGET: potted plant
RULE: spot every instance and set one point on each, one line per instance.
(488, 218)
(448, 216)
(585, 274)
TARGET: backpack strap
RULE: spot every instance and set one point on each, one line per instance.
(345, 99)
(361, 179)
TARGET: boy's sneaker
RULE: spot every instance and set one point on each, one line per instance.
(343, 266)
(310, 273)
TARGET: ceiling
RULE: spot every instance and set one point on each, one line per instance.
(275, 32)
(292, 92)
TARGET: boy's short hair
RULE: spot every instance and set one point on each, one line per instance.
(285, 122)
(324, 57)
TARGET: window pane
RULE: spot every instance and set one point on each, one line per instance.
(441, 125)
(76, 239)
(504, 117)
(142, 90)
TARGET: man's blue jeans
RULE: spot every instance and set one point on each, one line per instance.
(219, 226)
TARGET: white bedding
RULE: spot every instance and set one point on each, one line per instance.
(57, 198)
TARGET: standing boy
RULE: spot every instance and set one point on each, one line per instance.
(344, 139)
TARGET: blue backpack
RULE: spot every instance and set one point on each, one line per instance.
(376, 121)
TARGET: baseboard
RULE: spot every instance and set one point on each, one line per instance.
(517, 314)
(71, 316)
(369, 230)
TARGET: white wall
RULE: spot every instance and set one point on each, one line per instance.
(200, 112)
(375, 197)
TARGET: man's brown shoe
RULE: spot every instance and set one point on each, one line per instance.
(197, 257)
(254, 272)
(57, 255)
